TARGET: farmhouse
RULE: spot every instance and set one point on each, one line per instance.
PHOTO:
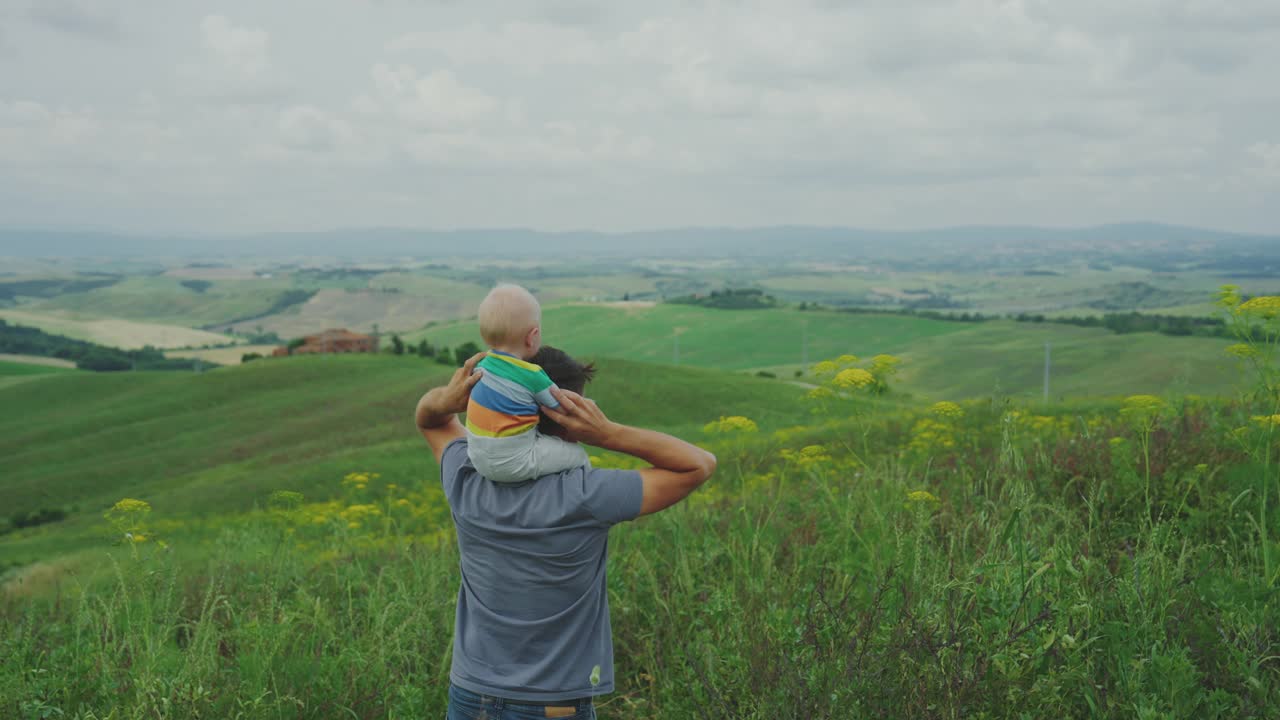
(337, 340)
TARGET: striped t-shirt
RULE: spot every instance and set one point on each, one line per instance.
(505, 401)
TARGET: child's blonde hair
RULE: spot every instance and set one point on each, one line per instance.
(507, 313)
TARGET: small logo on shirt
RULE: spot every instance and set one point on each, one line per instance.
(595, 676)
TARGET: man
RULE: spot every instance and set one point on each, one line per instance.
(532, 635)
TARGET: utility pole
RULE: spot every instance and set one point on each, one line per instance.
(676, 332)
(1046, 373)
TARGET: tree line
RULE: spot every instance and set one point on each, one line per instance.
(23, 340)
(442, 354)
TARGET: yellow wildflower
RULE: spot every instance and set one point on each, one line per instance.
(1267, 420)
(884, 365)
(284, 500)
(922, 496)
(1117, 442)
(826, 367)
(129, 505)
(1244, 351)
(947, 409)
(1228, 296)
(820, 393)
(1202, 468)
(807, 456)
(1265, 306)
(846, 359)
(1142, 410)
(730, 424)
(853, 378)
(1147, 403)
(136, 537)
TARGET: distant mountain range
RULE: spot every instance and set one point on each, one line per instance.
(956, 243)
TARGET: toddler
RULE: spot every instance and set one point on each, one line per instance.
(503, 441)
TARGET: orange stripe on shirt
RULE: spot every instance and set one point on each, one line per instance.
(498, 424)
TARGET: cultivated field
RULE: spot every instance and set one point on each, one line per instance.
(125, 334)
(223, 356)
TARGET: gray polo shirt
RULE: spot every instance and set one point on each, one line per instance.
(533, 612)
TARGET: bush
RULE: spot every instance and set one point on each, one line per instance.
(100, 361)
(464, 351)
(42, 516)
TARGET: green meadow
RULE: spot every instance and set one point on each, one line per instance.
(913, 538)
(942, 359)
(702, 337)
(223, 440)
(21, 369)
(164, 299)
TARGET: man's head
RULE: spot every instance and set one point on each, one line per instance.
(511, 321)
(567, 373)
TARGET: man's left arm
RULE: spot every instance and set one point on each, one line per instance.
(437, 413)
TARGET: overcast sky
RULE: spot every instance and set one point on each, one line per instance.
(231, 115)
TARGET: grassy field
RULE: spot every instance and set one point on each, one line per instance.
(222, 440)
(731, 340)
(1079, 289)
(16, 369)
(1004, 358)
(941, 360)
(360, 310)
(1110, 559)
(223, 356)
(114, 332)
(32, 364)
(164, 300)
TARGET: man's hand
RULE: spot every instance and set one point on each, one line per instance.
(436, 414)
(678, 467)
(452, 398)
(581, 418)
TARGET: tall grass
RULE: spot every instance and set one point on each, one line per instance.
(1001, 564)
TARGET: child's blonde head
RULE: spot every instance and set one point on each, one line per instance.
(511, 319)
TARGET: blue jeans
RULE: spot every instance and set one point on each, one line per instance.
(466, 705)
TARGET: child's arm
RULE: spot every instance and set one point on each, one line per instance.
(541, 387)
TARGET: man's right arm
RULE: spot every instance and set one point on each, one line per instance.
(678, 467)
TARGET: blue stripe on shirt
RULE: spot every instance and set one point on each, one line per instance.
(496, 401)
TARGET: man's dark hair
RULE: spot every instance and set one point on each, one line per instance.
(565, 372)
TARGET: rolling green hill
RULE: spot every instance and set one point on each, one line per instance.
(16, 368)
(1007, 359)
(221, 441)
(162, 299)
(944, 360)
(730, 340)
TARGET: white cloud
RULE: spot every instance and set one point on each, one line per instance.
(1268, 154)
(521, 46)
(437, 100)
(236, 67)
(241, 48)
(661, 113)
(79, 17)
(309, 128)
